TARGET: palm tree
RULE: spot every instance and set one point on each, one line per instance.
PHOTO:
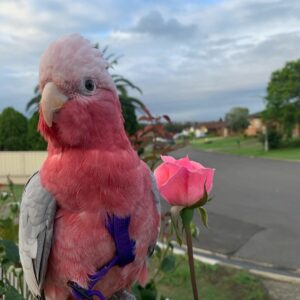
(33, 104)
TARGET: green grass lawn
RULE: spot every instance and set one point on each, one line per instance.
(214, 283)
(248, 147)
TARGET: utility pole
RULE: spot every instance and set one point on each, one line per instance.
(266, 144)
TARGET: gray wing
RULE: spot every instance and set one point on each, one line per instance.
(156, 199)
(156, 195)
(37, 214)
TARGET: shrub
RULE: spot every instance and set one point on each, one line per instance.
(274, 138)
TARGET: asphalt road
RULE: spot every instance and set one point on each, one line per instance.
(255, 212)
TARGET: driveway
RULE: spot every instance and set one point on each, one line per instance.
(255, 212)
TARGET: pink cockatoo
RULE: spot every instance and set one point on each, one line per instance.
(90, 217)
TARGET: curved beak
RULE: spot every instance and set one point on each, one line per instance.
(52, 100)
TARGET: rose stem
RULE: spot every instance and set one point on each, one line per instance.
(189, 244)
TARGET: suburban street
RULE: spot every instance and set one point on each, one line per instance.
(255, 212)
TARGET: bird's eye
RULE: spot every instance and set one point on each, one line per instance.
(89, 85)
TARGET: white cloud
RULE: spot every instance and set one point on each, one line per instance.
(192, 61)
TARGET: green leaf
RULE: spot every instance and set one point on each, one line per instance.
(2, 288)
(170, 245)
(157, 251)
(204, 216)
(8, 229)
(149, 292)
(176, 229)
(11, 251)
(136, 291)
(12, 294)
(168, 264)
(4, 196)
(194, 230)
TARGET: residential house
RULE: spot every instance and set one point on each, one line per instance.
(256, 125)
(217, 128)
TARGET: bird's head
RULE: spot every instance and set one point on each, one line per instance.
(79, 104)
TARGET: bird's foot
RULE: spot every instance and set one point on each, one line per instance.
(81, 293)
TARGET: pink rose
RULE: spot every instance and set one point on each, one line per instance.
(181, 182)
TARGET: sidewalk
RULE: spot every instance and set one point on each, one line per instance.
(282, 290)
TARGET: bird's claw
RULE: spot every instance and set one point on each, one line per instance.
(81, 293)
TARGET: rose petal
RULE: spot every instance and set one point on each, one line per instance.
(175, 190)
(209, 179)
(196, 165)
(161, 174)
(196, 182)
(164, 172)
(189, 164)
(168, 159)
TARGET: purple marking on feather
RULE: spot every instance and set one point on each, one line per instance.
(102, 272)
(76, 295)
(119, 229)
(80, 293)
(97, 294)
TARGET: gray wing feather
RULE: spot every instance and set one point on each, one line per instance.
(156, 199)
(37, 215)
(156, 195)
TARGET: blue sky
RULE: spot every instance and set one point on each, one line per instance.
(194, 60)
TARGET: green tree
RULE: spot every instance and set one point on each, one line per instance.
(13, 130)
(283, 97)
(34, 139)
(237, 119)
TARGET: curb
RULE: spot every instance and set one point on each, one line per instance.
(264, 270)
